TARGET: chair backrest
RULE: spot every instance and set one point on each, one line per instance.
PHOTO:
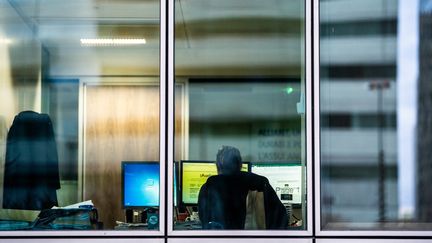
(255, 211)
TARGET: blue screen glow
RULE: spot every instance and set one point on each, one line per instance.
(141, 184)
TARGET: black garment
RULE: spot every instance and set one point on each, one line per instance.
(31, 175)
(222, 201)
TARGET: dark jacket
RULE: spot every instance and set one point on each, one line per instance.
(31, 175)
(222, 202)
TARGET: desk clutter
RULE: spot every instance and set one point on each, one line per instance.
(147, 218)
(82, 216)
(57, 219)
(129, 226)
(187, 219)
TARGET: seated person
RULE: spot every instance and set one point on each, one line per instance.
(222, 200)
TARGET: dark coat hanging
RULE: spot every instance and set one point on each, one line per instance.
(31, 175)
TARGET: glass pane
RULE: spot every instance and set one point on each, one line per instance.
(79, 114)
(375, 114)
(239, 115)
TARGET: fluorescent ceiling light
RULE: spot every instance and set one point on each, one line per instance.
(112, 42)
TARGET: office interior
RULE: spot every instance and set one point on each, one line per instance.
(45, 67)
(239, 80)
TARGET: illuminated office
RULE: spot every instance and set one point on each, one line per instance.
(114, 113)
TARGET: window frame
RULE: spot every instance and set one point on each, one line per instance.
(308, 139)
(234, 240)
(143, 235)
(319, 232)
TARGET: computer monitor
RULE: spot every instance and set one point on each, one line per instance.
(285, 178)
(194, 174)
(175, 179)
(140, 182)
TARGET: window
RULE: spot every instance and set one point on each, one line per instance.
(240, 85)
(375, 119)
(80, 115)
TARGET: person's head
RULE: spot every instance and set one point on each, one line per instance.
(228, 160)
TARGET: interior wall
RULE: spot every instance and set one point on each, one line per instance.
(20, 85)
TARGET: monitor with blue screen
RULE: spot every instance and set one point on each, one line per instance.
(140, 182)
(175, 189)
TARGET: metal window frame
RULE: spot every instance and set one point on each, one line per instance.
(371, 240)
(81, 240)
(319, 232)
(309, 145)
(166, 140)
(239, 240)
(27, 235)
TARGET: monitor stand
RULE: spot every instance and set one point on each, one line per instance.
(136, 216)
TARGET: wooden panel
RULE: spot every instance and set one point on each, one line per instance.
(179, 122)
(121, 124)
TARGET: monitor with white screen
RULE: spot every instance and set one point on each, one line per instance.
(286, 179)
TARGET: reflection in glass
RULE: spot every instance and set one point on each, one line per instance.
(239, 71)
(375, 115)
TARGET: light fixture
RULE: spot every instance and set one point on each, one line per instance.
(112, 41)
(5, 41)
(289, 90)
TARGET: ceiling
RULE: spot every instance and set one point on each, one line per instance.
(213, 37)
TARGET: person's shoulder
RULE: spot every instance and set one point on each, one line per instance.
(239, 177)
(255, 177)
(212, 179)
(222, 179)
(253, 180)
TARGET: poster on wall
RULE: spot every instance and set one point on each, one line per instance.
(277, 142)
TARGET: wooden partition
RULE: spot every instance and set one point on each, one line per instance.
(120, 123)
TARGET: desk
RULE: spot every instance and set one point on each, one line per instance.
(130, 226)
(188, 225)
